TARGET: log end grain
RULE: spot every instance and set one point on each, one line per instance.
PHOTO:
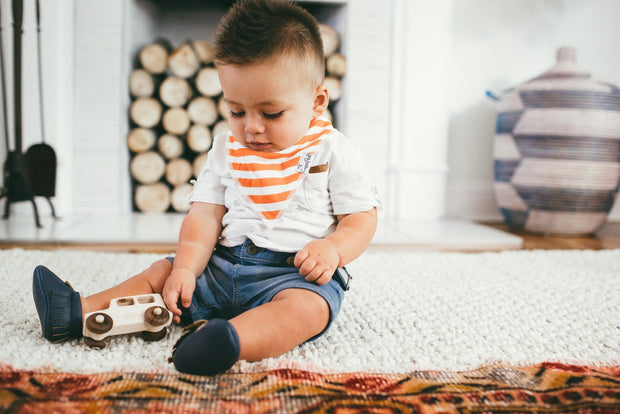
(202, 111)
(141, 83)
(221, 127)
(170, 146)
(199, 163)
(176, 121)
(175, 91)
(147, 167)
(154, 58)
(330, 38)
(208, 82)
(199, 138)
(203, 50)
(336, 65)
(152, 198)
(179, 171)
(141, 139)
(145, 112)
(334, 88)
(183, 61)
(179, 196)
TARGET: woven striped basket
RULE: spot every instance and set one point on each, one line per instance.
(557, 151)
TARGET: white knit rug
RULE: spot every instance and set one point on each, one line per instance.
(406, 311)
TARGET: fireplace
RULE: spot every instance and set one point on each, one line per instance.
(176, 103)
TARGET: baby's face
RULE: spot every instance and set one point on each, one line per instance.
(270, 103)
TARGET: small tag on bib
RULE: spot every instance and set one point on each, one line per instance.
(304, 162)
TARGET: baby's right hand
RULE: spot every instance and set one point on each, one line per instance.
(179, 288)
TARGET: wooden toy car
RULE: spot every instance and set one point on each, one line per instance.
(141, 313)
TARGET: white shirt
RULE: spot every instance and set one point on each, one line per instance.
(344, 188)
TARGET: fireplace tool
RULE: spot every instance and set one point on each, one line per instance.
(5, 117)
(16, 185)
(40, 159)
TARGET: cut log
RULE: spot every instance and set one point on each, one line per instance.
(334, 88)
(199, 138)
(183, 62)
(141, 139)
(175, 91)
(141, 84)
(222, 108)
(204, 51)
(178, 198)
(208, 82)
(330, 38)
(145, 112)
(202, 111)
(336, 65)
(199, 163)
(328, 114)
(176, 121)
(152, 198)
(178, 171)
(221, 127)
(147, 167)
(154, 58)
(170, 146)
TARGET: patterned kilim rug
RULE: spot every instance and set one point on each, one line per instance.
(418, 332)
(543, 388)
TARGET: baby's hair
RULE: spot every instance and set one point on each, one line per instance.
(257, 30)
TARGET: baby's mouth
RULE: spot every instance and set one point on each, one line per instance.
(258, 146)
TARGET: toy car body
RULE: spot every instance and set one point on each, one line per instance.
(141, 313)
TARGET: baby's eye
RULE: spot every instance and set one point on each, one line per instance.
(237, 114)
(275, 115)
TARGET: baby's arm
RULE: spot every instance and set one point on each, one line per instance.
(199, 233)
(318, 260)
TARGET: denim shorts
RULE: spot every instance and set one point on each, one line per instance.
(243, 277)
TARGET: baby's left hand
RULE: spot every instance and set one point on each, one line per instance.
(318, 261)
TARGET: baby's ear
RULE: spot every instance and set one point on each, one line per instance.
(321, 100)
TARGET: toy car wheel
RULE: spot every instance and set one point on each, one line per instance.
(99, 323)
(156, 316)
(96, 344)
(154, 336)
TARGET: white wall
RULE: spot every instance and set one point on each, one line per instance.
(498, 45)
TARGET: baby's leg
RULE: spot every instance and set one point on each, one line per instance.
(61, 309)
(269, 330)
(150, 280)
(289, 320)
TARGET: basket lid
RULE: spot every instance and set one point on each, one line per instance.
(565, 75)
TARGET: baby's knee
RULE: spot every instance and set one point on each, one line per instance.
(309, 308)
(157, 274)
(162, 265)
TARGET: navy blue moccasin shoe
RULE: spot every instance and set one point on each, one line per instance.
(58, 305)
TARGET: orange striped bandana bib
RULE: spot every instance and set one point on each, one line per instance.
(268, 180)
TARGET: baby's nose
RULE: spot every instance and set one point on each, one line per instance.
(254, 125)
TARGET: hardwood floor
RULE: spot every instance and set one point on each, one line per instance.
(607, 238)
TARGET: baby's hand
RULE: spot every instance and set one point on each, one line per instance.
(179, 287)
(318, 261)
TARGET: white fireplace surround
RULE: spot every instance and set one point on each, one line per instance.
(379, 102)
(414, 91)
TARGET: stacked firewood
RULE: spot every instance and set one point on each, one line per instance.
(177, 109)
